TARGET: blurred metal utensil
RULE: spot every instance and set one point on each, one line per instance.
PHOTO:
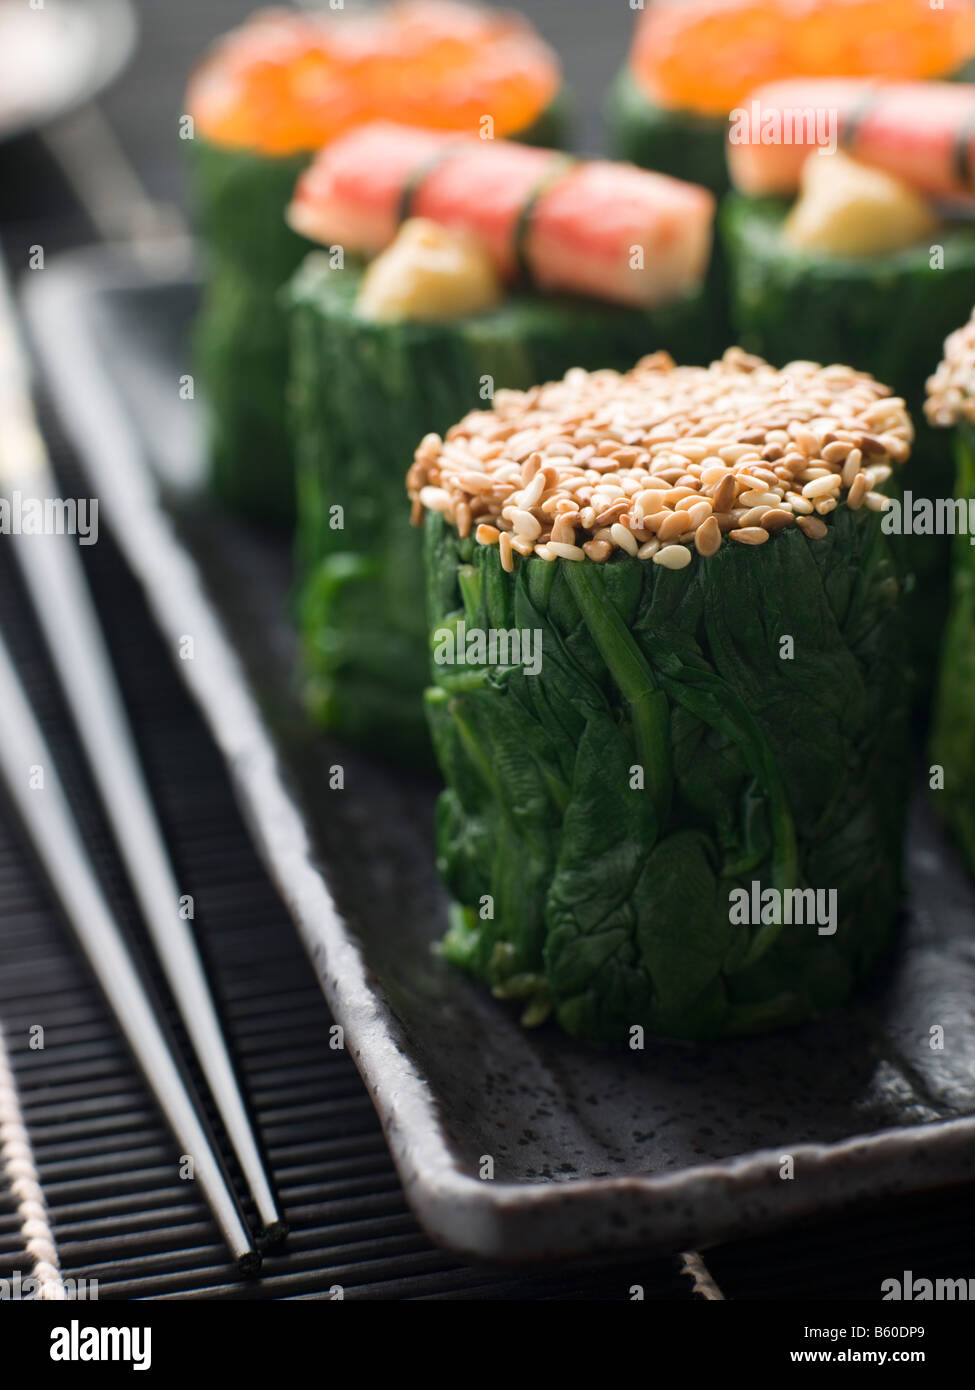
(57, 54)
(107, 186)
(55, 580)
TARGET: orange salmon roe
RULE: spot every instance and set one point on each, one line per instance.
(286, 81)
(708, 55)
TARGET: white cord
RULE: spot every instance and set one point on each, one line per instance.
(17, 1161)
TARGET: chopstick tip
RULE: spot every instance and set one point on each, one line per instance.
(275, 1232)
(249, 1262)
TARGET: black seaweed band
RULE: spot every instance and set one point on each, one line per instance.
(561, 165)
(963, 163)
(850, 126)
(413, 184)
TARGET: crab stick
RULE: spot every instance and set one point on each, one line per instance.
(595, 228)
(921, 132)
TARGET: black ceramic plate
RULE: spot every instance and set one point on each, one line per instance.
(595, 1151)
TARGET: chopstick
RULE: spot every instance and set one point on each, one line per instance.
(47, 818)
(55, 580)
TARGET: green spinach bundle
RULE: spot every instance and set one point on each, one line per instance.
(697, 750)
(953, 724)
(785, 301)
(951, 403)
(363, 393)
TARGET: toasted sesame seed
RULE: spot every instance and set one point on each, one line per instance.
(812, 527)
(777, 520)
(648, 550)
(877, 502)
(429, 446)
(851, 467)
(597, 550)
(649, 501)
(749, 535)
(530, 467)
(611, 513)
(624, 538)
(794, 462)
(747, 482)
(532, 493)
(822, 487)
(504, 546)
(672, 525)
(698, 514)
(476, 482)
(565, 551)
(694, 450)
(858, 491)
(724, 493)
(806, 441)
(731, 453)
(707, 537)
(435, 499)
(672, 557)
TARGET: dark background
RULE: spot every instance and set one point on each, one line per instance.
(106, 1161)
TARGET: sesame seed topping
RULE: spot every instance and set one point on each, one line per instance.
(663, 460)
(951, 391)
